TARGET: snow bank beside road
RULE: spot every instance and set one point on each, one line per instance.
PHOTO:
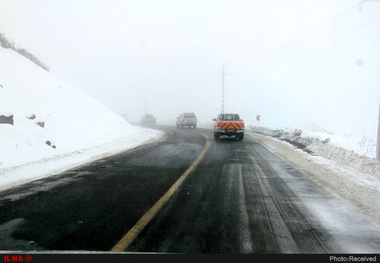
(49, 166)
(47, 125)
(326, 145)
(347, 175)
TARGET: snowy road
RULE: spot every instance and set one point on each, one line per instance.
(239, 198)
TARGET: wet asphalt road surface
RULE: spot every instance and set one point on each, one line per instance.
(185, 193)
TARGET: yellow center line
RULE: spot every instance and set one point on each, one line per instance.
(140, 225)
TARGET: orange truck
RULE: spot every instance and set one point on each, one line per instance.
(228, 124)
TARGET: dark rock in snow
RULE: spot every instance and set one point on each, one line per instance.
(6, 119)
(41, 123)
(31, 117)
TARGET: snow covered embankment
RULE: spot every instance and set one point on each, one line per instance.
(325, 148)
(48, 126)
(351, 177)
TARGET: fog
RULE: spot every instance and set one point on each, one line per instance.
(289, 61)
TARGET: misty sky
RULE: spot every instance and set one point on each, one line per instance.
(288, 60)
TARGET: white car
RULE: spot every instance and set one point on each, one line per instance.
(187, 120)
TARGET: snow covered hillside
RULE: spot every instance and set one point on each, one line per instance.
(42, 119)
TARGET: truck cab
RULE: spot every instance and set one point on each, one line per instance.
(229, 124)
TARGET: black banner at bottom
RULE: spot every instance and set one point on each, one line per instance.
(130, 257)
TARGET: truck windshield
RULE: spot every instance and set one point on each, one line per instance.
(229, 117)
(189, 115)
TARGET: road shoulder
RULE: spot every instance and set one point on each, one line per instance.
(338, 181)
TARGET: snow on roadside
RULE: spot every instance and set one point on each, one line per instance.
(344, 151)
(47, 125)
(352, 177)
(30, 171)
